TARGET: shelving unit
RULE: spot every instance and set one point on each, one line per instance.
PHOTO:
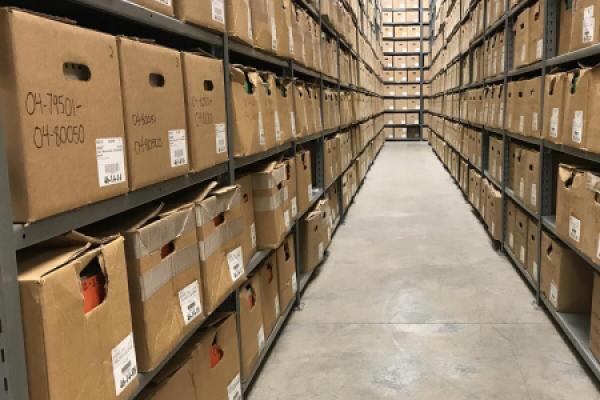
(574, 326)
(115, 17)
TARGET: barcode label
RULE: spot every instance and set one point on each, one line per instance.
(110, 159)
(554, 122)
(293, 121)
(249, 21)
(553, 294)
(574, 228)
(291, 40)
(260, 337)
(253, 235)
(234, 389)
(589, 25)
(321, 250)
(189, 302)
(261, 129)
(178, 147)
(235, 261)
(577, 131)
(534, 122)
(533, 197)
(294, 203)
(221, 136)
(286, 219)
(218, 11)
(124, 363)
(277, 127)
(277, 307)
(165, 2)
(294, 283)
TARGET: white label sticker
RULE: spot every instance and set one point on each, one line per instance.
(189, 301)
(235, 261)
(234, 389)
(261, 129)
(124, 363)
(511, 240)
(598, 248)
(178, 147)
(273, 33)
(539, 48)
(286, 219)
(522, 188)
(589, 25)
(533, 197)
(553, 294)
(293, 120)
(574, 228)
(522, 255)
(277, 308)
(521, 123)
(493, 228)
(554, 122)
(253, 235)
(277, 127)
(165, 2)
(577, 131)
(218, 11)
(221, 136)
(260, 337)
(294, 203)
(291, 40)
(310, 191)
(534, 122)
(249, 21)
(523, 52)
(294, 283)
(535, 271)
(110, 158)
(321, 250)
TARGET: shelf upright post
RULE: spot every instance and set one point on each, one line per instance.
(421, 70)
(508, 51)
(13, 369)
(228, 106)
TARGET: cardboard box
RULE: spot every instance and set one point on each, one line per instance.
(536, 31)
(66, 125)
(483, 188)
(531, 174)
(585, 31)
(50, 285)
(239, 20)
(521, 226)
(566, 280)
(304, 180)
(267, 90)
(249, 129)
(284, 37)
(269, 285)
(521, 39)
(286, 266)
(158, 6)
(271, 204)
(554, 106)
(565, 17)
(511, 215)
(175, 380)
(494, 212)
(252, 330)
(206, 13)
(291, 182)
(248, 240)
(313, 238)
(205, 109)
(263, 25)
(157, 144)
(517, 166)
(532, 104)
(595, 319)
(285, 119)
(301, 118)
(582, 108)
(532, 250)
(221, 230)
(496, 158)
(165, 283)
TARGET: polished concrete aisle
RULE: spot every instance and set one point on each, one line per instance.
(414, 303)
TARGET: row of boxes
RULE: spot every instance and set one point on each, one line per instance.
(396, 4)
(402, 104)
(401, 61)
(399, 32)
(405, 46)
(524, 166)
(402, 76)
(522, 238)
(528, 33)
(400, 90)
(401, 118)
(389, 17)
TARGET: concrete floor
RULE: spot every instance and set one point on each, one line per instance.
(414, 303)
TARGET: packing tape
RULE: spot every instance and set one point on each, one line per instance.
(151, 238)
(161, 274)
(221, 235)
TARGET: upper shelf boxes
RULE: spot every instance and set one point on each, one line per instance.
(207, 13)
(64, 123)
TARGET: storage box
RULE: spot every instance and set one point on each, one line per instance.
(52, 303)
(554, 106)
(584, 29)
(248, 124)
(248, 240)
(175, 380)
(205, 109)
(566, 280)
(271, 204)
(531, 173)
(66, 146)
(206, 13)
(263, 25)
(582, 108)
(239, 21)
(157, 140)
(521, 241)
(283, 35)
(304, 180)
(286, 266)
(532, 250)
(269, 285)
(494, 212)
(511, 215)
(252, 330)
(313, 238)
(521, 39)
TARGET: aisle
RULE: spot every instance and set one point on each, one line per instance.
(414, 303)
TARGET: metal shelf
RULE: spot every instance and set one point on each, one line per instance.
(245, 50)
(244, 161)
(536, 67)
(520, 268)
(30, 234)
(533, 214)
(524, 139)
(584, 155)
(574, 55)
(493, 180)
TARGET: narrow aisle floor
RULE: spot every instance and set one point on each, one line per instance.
(414, 303)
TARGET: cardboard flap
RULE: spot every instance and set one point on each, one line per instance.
(219, 201)
(592, 181)
(566, 172)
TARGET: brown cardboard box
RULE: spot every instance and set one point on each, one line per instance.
(165, 284)
(388, 61)
(565, 17)
(205, 106)
(585, 31)
(483, 188)
(521, 39)
(313, 235)
(532, 104)
(271, 124)
(582, 108)
(304, 180)
(531, 174)
(474, 188)
(248, 239)
(271, 205)
(283, 35)
(263, 25)
(536, 31)
(156, 135)
(67, 125)
(554, 106)
(291, 182)
(207, 13)
(401, 47)
(174, 381)
(53, 315)
(494, 212)
(239, 21)
(286, 265)
(595, 319)
(300, 116)
(532, 249)
(269, 285)
(521, 242)
(566, 280)
(285, 120)
(159, 6)
(221, 232)
(249, 130)
(496, 158)
(518, 162)
(414, 76)
(252, 330)
(511, 215)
